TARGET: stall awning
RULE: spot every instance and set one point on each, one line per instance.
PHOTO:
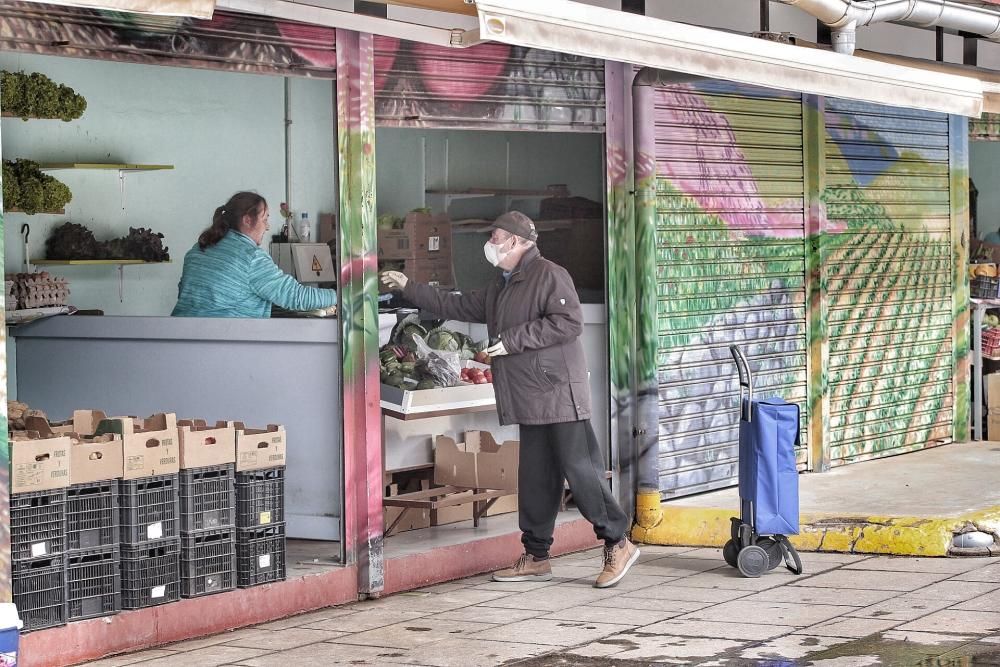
(199, 9)
(572, 27)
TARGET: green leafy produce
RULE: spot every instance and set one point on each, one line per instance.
(37, 96)
(25, 187)
(444, 340)
(72, 241)
(402, 333)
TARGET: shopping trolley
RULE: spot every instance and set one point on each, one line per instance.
(769, 483)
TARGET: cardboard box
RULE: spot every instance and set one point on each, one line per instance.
(149, 446)
(202, 445)
(414, 519)
(452, 513)
(433, 272)
(993, 425)
(326, 231)
(95, 458)
(504, 505)
(992, 382)
(478, 463)
(423, 236)
(259, 448)
(38, 463)
(83, 423)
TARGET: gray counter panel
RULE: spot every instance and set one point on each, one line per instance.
(258, 371)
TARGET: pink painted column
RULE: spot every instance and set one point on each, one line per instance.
(358, 287)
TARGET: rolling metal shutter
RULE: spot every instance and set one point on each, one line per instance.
(888, 271)
(229, 41)
(730, 269)
(489, 86)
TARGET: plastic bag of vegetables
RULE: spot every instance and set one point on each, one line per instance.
(443, 368)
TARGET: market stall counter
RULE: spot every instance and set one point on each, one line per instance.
(260, 371)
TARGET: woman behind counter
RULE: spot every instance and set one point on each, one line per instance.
(228, 274)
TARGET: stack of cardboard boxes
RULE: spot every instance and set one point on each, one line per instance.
(477, 463)
(421, 249)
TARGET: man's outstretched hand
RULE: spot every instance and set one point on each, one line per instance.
(394, 280)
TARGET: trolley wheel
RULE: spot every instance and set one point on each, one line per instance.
(753, 561)
(773, 550)
(730, 552)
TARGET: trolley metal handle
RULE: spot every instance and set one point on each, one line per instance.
(746, 384)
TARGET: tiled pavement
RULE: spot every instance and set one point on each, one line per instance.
(677, 606)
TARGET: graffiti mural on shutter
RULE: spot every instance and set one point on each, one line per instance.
(889, 280)
(230, 41)
(730, 269)
(488, 86)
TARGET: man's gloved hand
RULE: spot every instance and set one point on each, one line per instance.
(496, 349)
(394, 280)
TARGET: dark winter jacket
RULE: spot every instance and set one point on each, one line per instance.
(537, 314)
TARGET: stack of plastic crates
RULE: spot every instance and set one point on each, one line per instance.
(150, 541)
(208, 530)
(260, 521)
(38, 557)
(93, 556)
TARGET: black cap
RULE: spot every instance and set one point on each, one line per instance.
(517, 223)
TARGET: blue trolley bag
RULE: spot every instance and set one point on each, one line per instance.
(769, 482)
(768, 476)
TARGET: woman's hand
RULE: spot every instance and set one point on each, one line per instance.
(394, 280)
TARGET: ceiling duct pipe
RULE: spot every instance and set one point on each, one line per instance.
(844, 17)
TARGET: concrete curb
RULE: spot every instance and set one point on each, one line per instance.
(667, 524)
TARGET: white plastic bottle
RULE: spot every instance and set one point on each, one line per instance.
(305, 229)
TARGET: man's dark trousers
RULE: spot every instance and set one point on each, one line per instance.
(550, 453)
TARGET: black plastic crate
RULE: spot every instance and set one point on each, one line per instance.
(39, 591)
(260, 497)
(149, 509)
(260, 555)
(208, 498)
(92, 515)
(151, 573)
(37, 524)
(208, 562)
(93, 583)
(984, 287)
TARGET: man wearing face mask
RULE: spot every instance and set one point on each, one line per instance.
(534, 320)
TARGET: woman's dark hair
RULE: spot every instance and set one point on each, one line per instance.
(228, 216)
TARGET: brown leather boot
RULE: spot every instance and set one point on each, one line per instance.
(525, 569)
(617, 561)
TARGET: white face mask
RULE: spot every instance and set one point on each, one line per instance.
(493, 253)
